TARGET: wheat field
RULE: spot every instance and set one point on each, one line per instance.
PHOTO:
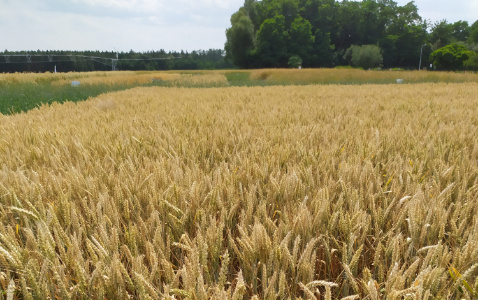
(283, 192)
(217, 78)
(356, 76)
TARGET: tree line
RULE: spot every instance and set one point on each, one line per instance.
(83, 61)
(327, 33)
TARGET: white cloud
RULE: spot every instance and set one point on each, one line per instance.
(103, 25)
(129, 5)
(437, 10)
(147, 24)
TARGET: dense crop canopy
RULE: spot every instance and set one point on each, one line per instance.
(273, 192)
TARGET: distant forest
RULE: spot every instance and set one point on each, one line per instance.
(328, 33)
(83, 61)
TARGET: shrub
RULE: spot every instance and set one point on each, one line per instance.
(295, 61)
(472, 62)
(366, 56)
(451, 57)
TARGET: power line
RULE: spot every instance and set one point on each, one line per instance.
(111, 62)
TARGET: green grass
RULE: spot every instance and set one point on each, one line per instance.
(23, 96)
(238, 78)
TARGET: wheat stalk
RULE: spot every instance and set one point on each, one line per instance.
(265, 192)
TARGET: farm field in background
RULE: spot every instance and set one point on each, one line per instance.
(181, 190)
(22, 92)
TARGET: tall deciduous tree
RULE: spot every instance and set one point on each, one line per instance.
(253, 10)
(348, 23)
(404, 38)
(301, 40)
(290, 11)
(441, 34)
(271, 50)
(473, 38)
(369, 27)
(323, 51)
(461, 31)
(240, 39)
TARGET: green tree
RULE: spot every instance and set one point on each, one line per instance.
(369, 27)
(388, 13)
(389, 50)
(271, 8)
(301, 40)
(290, 11)
(252, 9)
(461, 31)
(240, 39)
(451, 57)
(441, 34)
(402, 49)
(404, 37)
(473, 38)
(271, 50)
(328, 18)
(323, 52)
(348, 22)
(309, 10)
(409, 44)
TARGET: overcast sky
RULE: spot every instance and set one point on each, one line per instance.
(143, 25)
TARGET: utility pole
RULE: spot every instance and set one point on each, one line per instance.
(420, 63)
(114, 62)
